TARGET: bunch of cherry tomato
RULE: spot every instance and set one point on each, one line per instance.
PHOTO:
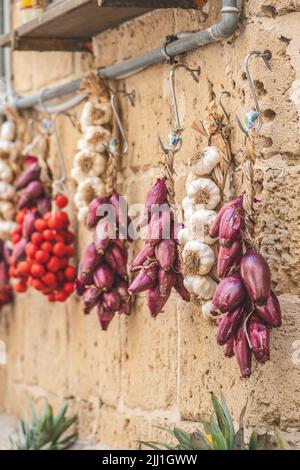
(46, 266)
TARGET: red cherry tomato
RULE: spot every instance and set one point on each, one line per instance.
(54, 264)
(63, 263)
(37, 238)
(69, 237)
(13, 272)
(51, 297)
(46, 246)
(20, 217)
(70, 273)
(23, 268)
(37, 284)
(37, 270)
(69, 287)
(42, 256)
(47, 216)
(49, 235)
(31, 250)
(61, 296)
(21, 287)
(63, 219)
(70, 251)
(61, 201)
(16, 238)
(59, 249)
(40, 225)
(49, 279)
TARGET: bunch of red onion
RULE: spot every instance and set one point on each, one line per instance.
(6, 292)
(102, 279)
(42, 242)
(158, 262)
(244, 298)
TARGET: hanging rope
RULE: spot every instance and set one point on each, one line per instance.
(169, 172)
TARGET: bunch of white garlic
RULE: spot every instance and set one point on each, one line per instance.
(198, 254)
(9, 151)
(91, 159)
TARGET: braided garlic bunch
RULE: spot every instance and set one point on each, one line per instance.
(91, 159)
(9, 153)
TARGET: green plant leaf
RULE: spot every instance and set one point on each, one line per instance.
(219, 441)
(239, 443)
(281, 442)
(229, 421)
(221, 418)
(200, 441)
(253, 441)
(155, 445)
(183, 438)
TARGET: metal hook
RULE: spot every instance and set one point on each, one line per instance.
(221, 104)
(175, 137)
(266, 56)
(131, 97)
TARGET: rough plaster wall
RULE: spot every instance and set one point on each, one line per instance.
(144, 372)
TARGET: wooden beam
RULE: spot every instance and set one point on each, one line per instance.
(52, 44)
(153, 3)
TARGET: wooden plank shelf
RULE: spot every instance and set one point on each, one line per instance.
(69, 25)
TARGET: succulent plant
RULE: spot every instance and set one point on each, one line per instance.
(45, 432)
(219, 434)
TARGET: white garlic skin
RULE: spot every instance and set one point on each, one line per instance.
(184, 235)
(87, 164)
(6, 227)
(205, 163)
(188, 210)
(201, 286)
(89, 189)
(206, 309)
(97, 135)
(82, 214)
(6, 174)
(7, 191)
(202, 252)
(204, 193)
(7, 210)
(190, 178)
(200, 223)
(95, 114)
(8, 131)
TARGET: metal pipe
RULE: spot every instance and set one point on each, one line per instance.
(227, 25)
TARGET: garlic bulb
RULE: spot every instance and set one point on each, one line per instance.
(188, 208)
(88, 190)
(205, 192)
(9, 149)
(206, 308)
(7, 210)
(8, 131)
(184, 235)
(7, 191)
(79, 201)
(204, 164)
(5, 172)
(200, 224)
(198, 257)
(190, 178)
(82, 214)
(6, 227)
(201, 286)
(90, 147)
(95, 114)
(88, 164)
(97, 135)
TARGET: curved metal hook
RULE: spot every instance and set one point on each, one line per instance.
(175, 138)
(266, 56)
(221, 104)
(131, 97)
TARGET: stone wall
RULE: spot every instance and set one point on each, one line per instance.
(144, 372)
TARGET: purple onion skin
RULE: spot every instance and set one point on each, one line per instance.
(166, 280)
(145, 280)
(120, 209)
(122, 289)
(44, 205)
(166, 254)
(19, 250)
(103, 277)
(92, 217)
(103, 235)
(231, 224)
(157, 194)
(79, 287)
(259, 336)
(243, 352)
(229, 348)
(256, 276)
(117, 258)
(104, 316)
(4, 277)
(90, 298)
(111, 300)
(91, 260)
(148, 252)
(143, 220)
(215, 227)
(179, 287)
(31, 173)
(28, 225)
(227, 257)
(33, 190)
(6, 252)
(125, 308)
(229, 294)
(159, 227)
(155, 301)
(228, 325)
(270, 312)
